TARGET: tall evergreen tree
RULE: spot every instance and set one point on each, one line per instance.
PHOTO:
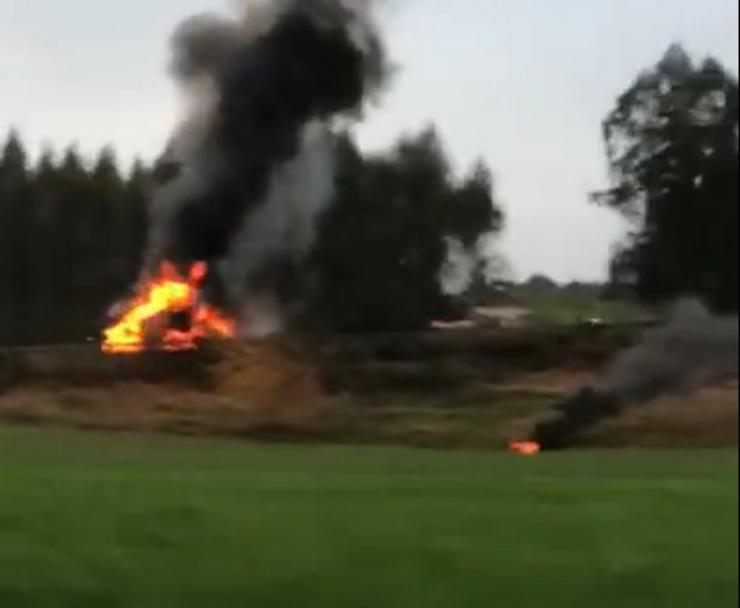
(45, 299)
(17, 236)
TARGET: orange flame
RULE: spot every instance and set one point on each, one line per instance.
(526, 448)
(164, 294)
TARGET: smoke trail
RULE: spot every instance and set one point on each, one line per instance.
(263, 264)
(692, 349)
(251, 166)
(458, 270)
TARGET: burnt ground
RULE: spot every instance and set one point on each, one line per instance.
(456, 389)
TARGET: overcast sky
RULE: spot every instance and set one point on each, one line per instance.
(522, 83)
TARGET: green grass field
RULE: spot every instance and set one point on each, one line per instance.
(101, 521)
(564, 311)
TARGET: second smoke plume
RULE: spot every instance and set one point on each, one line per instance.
(251, 165)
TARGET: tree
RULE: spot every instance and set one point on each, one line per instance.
(70, 240)
(540, 284)
(17, 239)
(385, 241)
(134, 219)
(105, 208)
(45, 299)
(672, 146)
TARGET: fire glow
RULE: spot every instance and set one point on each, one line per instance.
(145, 322)
(526, 448)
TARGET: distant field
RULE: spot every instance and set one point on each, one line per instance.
(568, 311)
(90, 520)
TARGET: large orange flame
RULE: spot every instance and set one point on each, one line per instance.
(167, 293)
(526, 448)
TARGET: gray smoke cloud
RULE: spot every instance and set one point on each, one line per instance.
(692, 349)
(250, 167)
(283, 229)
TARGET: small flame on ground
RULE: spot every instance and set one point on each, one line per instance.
(168, 293)
(526, 448)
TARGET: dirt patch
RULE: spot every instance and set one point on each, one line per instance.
(237, 387)
(458, 391)
(554, 383)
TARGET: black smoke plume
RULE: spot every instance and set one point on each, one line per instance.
(251, 165)
(693, 349)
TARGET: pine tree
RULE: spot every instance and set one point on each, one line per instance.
(16, 240)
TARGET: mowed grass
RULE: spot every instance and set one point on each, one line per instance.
(106, 521)
(568, 311)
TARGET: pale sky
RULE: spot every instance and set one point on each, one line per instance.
(522, 83)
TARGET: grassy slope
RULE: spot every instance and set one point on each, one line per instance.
(95, 520)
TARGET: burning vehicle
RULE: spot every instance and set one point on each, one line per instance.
(175, 303)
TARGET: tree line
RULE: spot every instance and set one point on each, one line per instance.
(72, 232)
(71, 239)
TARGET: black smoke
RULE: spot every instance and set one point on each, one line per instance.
(263, 91)
(692, 349)
(574, 416)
